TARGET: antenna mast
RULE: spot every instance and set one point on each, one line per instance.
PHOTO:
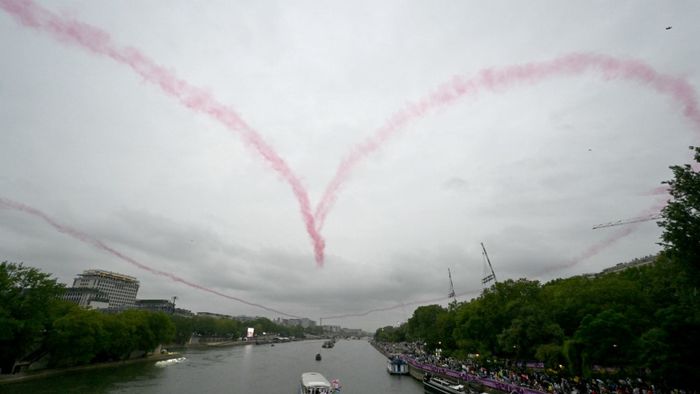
(492, 275)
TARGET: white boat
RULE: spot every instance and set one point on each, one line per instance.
(397, 366)
(315, 383)
(438, 385)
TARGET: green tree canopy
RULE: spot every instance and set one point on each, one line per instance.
(27, 300)
(681, 216)
(421, 326)
(391, 334)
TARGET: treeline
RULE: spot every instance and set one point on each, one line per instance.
(205, 326)
(643, 321)
(83, 336)
(35, 324)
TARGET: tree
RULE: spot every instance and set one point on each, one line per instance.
(421, 326)
(551, 354)
(681, 216)
(121, 339)
(607, 339)
(76, 338)
(27, 298)
(391, 334)
(528, 332)
(479, 323)
(162, 327)
(673, 343)
(184, 327)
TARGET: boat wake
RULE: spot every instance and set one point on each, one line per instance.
(165, 363)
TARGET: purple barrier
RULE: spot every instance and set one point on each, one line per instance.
(494, 384)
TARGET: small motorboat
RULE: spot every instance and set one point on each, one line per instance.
(318, 356)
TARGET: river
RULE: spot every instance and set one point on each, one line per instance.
(250, 369)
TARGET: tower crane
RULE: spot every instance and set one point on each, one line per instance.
(452, 287)
(492, 275)
(628, 221)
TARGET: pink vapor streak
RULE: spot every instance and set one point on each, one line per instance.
(80, 236)
(599, 246)
(397, 306)
(99, 42)
(496, 80)
(658, 191)
(501, 80)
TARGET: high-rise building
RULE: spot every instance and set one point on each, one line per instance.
(165, 306)
(120, 289)
(87, 297)
(214, 315)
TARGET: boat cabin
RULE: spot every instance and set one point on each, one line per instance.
(397, 366)
(433, 384)
(314, 383)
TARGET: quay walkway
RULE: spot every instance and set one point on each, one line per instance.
(464, 377)
(461, 376)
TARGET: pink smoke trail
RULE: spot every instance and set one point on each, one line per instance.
(80, 236)
(599, 246)
(397, 306)
(496, 80)
(658, 191)
(99, 42)
(501, 80)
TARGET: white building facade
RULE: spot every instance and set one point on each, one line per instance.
(120, 289)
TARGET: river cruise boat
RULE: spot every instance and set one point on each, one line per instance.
(397, 366)
(315, 383)
(438, 385)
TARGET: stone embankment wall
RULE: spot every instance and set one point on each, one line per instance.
(20, 377)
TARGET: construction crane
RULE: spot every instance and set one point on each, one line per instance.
(492, 276)
(452, 287)
(628, 221)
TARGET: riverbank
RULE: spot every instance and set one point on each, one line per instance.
(237, 369)
(44, 373)
(207, 345)
(216, 344)
(418, 369)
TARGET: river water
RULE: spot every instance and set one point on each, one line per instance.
(249, 369)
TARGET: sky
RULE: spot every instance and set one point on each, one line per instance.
(324, 159)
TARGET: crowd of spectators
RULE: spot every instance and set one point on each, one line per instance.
(539, 379)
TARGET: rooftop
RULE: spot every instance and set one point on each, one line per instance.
(109, 275)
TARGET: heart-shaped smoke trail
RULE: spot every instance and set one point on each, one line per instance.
(493, 80)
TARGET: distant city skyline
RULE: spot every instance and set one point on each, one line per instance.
(120, 292)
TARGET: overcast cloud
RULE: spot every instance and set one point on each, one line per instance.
(527, 170)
